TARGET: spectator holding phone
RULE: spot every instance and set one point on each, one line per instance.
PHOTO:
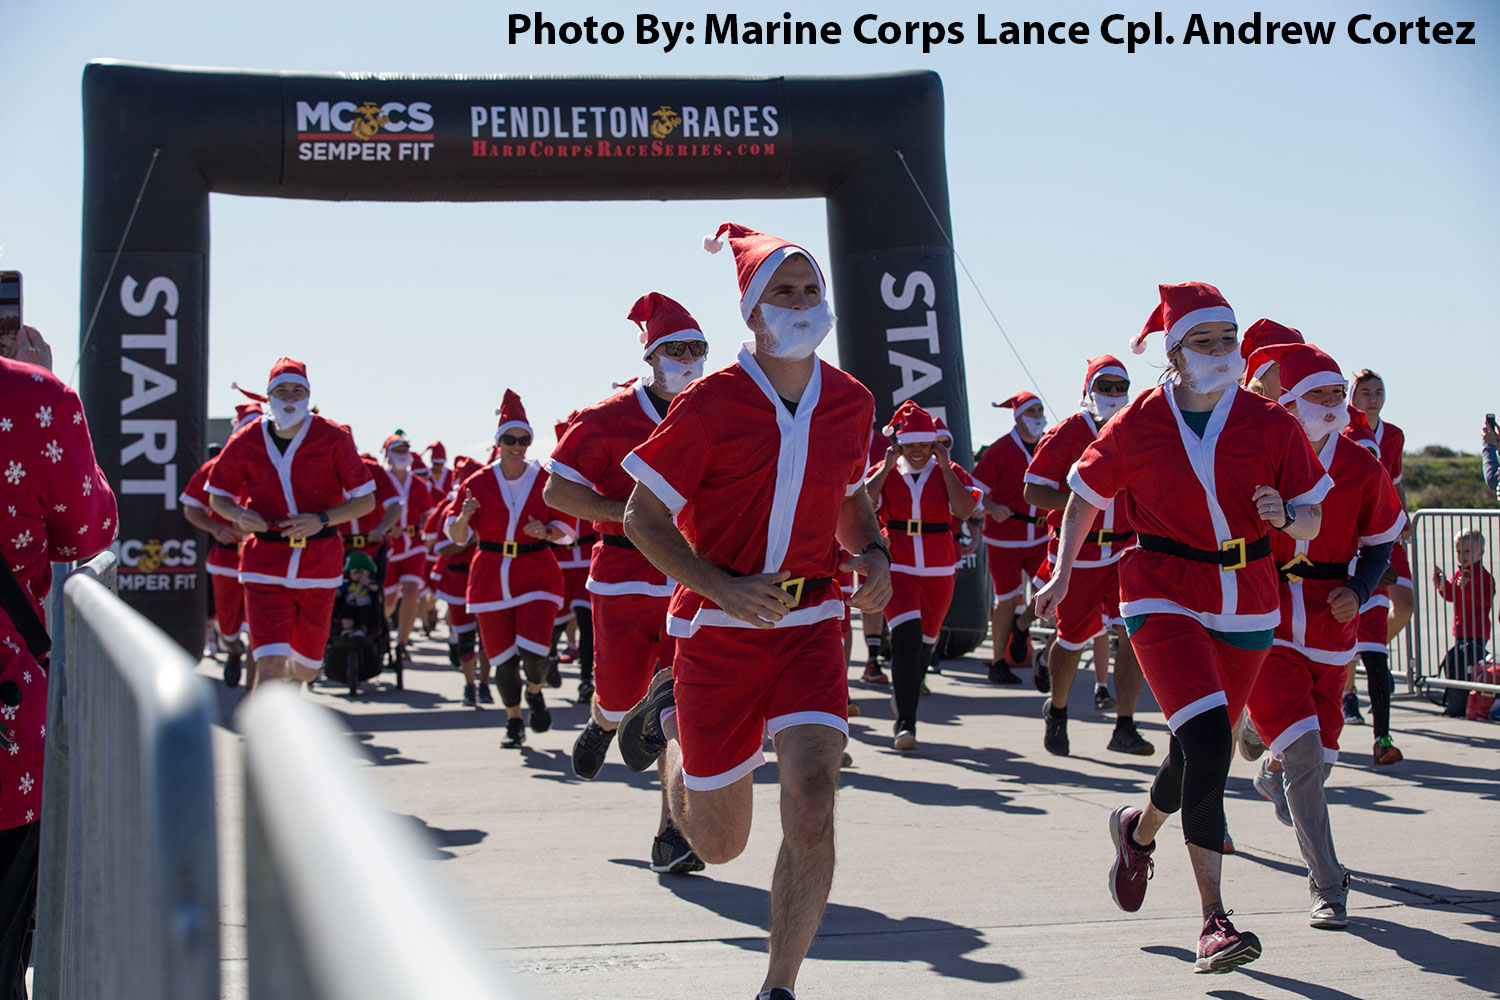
(1489, 439)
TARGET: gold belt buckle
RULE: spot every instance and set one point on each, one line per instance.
(1300, 559)
(509, 550)
(411, 531)
(913, 527)
(358, 541)
(297, 543)
(794, 587)
(1239, 544)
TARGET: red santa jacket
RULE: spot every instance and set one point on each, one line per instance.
(319, 470)
(453, 565)
(1197, 491)
(55, 506)
(1361, 509)
(1000, 475)
(1471, 589)
(356, 531)
(1051, 461)
(757, 488)
(498, 580)
(222, 559)
(416, 500)
(913, 498)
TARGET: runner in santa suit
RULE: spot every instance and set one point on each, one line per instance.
(439, 479)
(1093, 604)
(1295, 703)
(628, 595)
(574, 560)
(299, 476)
(872, 623)
(223, 560)
(406, 556)
(367, 533)
(439, 476)
(1015, 538)
(1204, 470)
(453, 567)
(515, 588)
(762, 464)
(917, 492)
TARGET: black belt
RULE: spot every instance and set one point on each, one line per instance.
(1040, 520)
(512, 549)
(1108, 537)
(327, 531)
(231, 546)
(585, 540)
(920, 527)
(616, 541)
(1303, 568)
(1233, 554)
(458, 567)
(798, 586)
(356, 541)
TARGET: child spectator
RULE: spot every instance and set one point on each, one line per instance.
(1471, 591)
(359, 603)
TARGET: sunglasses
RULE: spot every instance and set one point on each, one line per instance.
(677, 348)
(512, 441)
(1111, 385)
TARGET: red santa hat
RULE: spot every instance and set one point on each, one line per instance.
(512, 416)
(245, 413)
(662, 320)
(398, 438)
(463, 468)
(1018, 402)
(561, 427)
(1305, 368)
(911, 424)
(1181, 308)
(437, 451)
(942, 429)
(1264, 333)
(288, 372)
(1104, 364)
(756, 258)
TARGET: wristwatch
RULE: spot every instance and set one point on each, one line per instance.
(884, 550)
(323, 516)
(1289, 511)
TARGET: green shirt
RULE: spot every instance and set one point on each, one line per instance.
(1239, 640)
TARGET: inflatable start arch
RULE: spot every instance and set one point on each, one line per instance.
(346, 137)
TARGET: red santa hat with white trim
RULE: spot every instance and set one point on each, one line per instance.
(1018, 402)
(910, 424)
(438, 452)
(1181, 308)
(942, 429)
(398, 438)
(1261, 334)
(245, 413)
(1104, 364)
(1303, 369)
(288, 372)
(756, 258)
(512, 416)
(662, 320)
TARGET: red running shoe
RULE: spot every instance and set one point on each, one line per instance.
(1222, 948)
(1133, 866)
(874, 675)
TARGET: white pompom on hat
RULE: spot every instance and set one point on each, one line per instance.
(1181, 308)
(662, 320)
(512, 416)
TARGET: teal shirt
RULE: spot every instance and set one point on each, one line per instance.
(1197, 420)
(1239, 640)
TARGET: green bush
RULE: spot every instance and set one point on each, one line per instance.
(1440, 477)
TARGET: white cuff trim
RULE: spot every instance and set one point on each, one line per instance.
(1195, 709)
(726, 778)
(781, 722)
(653, 481)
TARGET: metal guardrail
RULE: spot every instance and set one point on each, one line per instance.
(337, 906)
(1430, 635)
(128, 894)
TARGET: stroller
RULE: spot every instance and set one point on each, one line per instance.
(359, 654)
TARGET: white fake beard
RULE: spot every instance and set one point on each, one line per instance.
(795, 334)
(400, 462)
(284, 414)
(1319, 421)
(1035, 426)
(1104, 407)
(1207, 374)
(677, 375)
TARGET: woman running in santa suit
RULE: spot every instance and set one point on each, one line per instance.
(1205, 470)
(515, 585)
(917, 491)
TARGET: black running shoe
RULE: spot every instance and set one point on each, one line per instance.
(554, 673)
(585, 692)
(1018, 646)
(1103, 700)
(589, 750)
(641, 737)
(1000, 673)
(515, 734)
(777, 994)
(470, 697)
(1041, 676)
(541, 715)
(485, 697)
(232, 669)
(1128, 739)
(1055, 736)
(671, 854)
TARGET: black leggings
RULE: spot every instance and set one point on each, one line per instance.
(1378, 677)
(1191, 779)
(508, 677)
(585, 617)
(907, 668)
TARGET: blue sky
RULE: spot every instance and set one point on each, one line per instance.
(1346, 190)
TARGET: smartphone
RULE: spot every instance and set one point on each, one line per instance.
(10, 311)
(1489, 418)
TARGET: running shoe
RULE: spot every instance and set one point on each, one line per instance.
(590, 749)
(1222, 948)
(1268, 783)
(1133, 866)
(585, 692)
(853, 711)
(874, 675)
(471, 697)
(1250, 743)
(1228, 840)
(232, 669)
(671, 854)
(1128, 739)
(1018, 645)
(515, 734)
(541, 715)
(485, 696)
(1000, 673)
(906, 734)
(1351, 710)
(403, 657)
(1040, 675)
(568, 654)
(777, 994)
(1330, 907)
(846, 760)
(1055, 735)
(554, 673)
(1385, 752)
(925, 689)
(935, 667)
(1103, 700)
(641, 738)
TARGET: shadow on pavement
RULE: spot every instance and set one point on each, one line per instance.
(1296, 987)
(1009, 766)
(436, 839)
(852, 933)
(383, 755)
(1470, 962)
(1393, 888)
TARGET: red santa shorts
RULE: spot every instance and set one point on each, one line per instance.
(1295, 695)
(575, 587)
(630, 640)
(1010, 569)
(410, 567)
(1191, 670)
(289, 621)
(505, 633)
(733, 685)
(1374, 615)
(229, 603)
(1092, 605)
(920, 598)
(461, 619)
(1401, 564)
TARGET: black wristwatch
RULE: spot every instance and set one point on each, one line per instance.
(1289, 511)
(323, 516)
(884, 550)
